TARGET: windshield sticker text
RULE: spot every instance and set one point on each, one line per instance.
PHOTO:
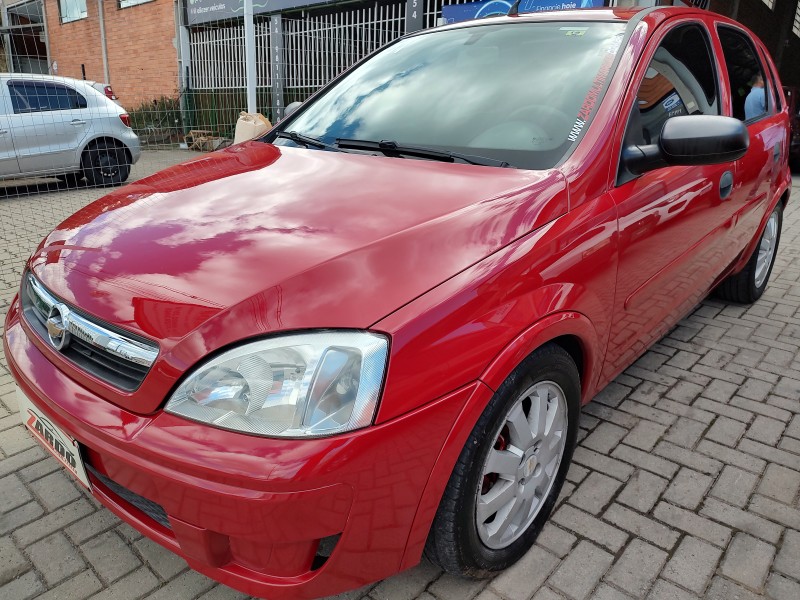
(591, 97)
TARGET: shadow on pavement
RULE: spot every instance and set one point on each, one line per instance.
(26, 187)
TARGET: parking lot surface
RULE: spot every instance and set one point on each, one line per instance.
(685, 483)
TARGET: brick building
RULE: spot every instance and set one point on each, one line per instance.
(140, 56)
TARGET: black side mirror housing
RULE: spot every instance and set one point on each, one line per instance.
(690, 140)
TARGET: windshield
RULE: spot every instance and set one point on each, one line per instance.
(520, 93)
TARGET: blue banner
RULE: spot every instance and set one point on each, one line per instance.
(455, 13)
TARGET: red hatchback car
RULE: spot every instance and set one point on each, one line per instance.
(302, 362)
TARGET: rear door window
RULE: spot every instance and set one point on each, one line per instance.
(776, 96)
(746, 75)
(39, 96)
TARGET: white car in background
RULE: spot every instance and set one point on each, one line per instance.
(104, 89)
(63, 127)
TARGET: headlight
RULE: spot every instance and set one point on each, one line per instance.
(304, 385)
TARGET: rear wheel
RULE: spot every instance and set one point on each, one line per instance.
(749, 284)
(106, 164)
(510, 472)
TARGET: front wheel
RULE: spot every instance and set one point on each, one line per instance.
(510, 472)
(106, 164)
(749, 284)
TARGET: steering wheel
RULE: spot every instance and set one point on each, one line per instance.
(529, 127)
(552, 119)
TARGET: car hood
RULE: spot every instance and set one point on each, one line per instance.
(259, 238)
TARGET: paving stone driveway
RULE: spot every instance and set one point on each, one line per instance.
(685, 483)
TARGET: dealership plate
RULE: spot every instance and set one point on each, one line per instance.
(58, 443)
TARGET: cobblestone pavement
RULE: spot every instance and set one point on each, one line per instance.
(685, 483)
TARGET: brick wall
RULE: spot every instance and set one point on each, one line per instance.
(142, 58)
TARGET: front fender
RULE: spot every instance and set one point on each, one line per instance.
(478, 325)
(567, 323)
(545, 330)
(440, 475)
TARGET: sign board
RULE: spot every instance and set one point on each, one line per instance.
(204, 11)
(455, 13)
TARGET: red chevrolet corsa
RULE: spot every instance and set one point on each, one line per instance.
(302, 362)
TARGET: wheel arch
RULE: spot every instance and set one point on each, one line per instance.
(93, 142)
(781, 198)
(571, 331)
(785, 197)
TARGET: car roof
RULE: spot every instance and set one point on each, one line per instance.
(600, 14)
(45, 77)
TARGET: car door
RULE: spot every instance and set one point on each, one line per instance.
(672, 220)
(8, 156)
(48, 124)
(757, 171)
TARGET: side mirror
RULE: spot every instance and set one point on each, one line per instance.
(291, 107)
(690, 140)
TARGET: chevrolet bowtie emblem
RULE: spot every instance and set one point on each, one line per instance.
(57, 322)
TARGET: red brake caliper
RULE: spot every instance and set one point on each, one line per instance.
(500, 444)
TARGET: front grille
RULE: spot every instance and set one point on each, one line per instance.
(119, 359)
(152, 509)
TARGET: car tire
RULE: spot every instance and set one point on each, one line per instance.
(106, 164)
(487, 520)
(747, 286)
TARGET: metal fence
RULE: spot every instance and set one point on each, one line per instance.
(195, 109)
(319, 47)
(313, 48)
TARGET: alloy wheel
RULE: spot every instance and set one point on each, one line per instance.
(766, 250)
(522, 465)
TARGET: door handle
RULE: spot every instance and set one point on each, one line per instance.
(77, 122)
(3, 131)
(776, 152)
(725, 185)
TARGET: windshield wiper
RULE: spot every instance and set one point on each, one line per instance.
(306, 140)
(391, 148)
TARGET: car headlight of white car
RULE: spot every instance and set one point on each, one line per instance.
(301, 385)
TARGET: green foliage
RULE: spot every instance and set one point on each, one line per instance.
(158, 121)
(218, 110)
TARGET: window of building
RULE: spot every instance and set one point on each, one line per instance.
(72, 10)
(796, 26)
(39, 96)
(746, 75)
(127, 3)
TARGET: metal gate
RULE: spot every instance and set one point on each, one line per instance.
(313, 48)
(293, 59)
(317, 47)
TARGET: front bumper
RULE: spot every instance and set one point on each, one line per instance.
(251, 512)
